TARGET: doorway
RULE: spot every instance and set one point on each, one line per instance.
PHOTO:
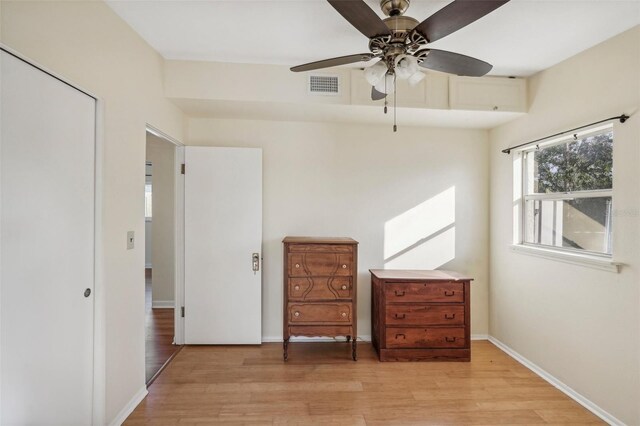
(161, 248)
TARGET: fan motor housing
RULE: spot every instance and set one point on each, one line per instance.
(400, 24)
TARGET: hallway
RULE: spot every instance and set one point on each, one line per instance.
(159, 334)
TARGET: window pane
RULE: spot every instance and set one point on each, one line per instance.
(582, 223)
(579, 165)
(147, 200)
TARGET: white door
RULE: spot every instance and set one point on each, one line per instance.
(223, 234)
(46, 248)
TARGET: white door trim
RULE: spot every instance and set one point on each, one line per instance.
(178, 227)
(99, 313)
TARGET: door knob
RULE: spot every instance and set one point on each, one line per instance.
(255, 260)
(87, 292)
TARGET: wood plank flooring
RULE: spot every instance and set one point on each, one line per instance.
(159, 334)
(320, 384)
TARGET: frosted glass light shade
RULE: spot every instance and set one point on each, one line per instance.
(406, 66)
(388, 88)
(375, 73)
(415, 78)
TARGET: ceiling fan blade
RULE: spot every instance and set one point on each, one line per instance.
(375, 95)
(454, 63)
(334, 62)
(360, 15)
(454, 16)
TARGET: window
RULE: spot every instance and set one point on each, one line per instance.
(148, 167)
(147, 201)
(567, 193)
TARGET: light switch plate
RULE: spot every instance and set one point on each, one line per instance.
(131, 240)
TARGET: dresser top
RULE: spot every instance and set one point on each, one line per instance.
(319, 240)
(407, 274)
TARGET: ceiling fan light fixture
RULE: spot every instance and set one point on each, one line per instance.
(386, 85)
(406, 66)
(416, 78)
(375, 73)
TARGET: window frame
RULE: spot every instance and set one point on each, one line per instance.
(561, 196)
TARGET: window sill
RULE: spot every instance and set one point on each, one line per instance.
(589, 261)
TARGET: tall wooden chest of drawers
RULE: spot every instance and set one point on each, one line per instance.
(420, 315)
(320, 288)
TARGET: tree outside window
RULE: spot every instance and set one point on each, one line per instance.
(568, 193)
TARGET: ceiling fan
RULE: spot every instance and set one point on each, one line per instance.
(399, 40)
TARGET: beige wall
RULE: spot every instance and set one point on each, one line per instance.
(161, 153)
(86, 43)
(419, 192)
(579, 324)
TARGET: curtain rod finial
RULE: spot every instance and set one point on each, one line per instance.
(623, 118)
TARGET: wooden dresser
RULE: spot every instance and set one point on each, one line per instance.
(420, 315)
(320, 288)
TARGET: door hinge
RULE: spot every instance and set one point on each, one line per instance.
(182, 168)
(182, 311)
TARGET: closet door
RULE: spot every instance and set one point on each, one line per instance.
(46, 248)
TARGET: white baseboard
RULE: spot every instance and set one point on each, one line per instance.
(128, 409)
(278, 339)
(580, 399)
(479, 337)
(163, 304)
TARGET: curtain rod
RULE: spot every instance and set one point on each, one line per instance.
(622, 119)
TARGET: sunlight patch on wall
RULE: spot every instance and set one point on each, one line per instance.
(424, 236)
(431, 254)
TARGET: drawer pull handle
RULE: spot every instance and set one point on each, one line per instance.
(450, 339)
(344, 314)
(449, 294)
(344, 266)
(297, 265)
(344, 287)
(399, 293)
(296, 314)
(447, 316)
(400, 317)
(297, 287)
(403, 336)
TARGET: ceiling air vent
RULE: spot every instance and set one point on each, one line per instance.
(324, 85)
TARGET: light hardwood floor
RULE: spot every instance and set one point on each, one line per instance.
(320, 384)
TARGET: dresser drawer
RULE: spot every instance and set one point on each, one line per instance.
(314, 248)
(320, 288)
(314, 313)
(425, 314)
(320, 264)
(441, 292)
(444, 337)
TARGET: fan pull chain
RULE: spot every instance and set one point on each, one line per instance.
(385, 93)
(395, 108)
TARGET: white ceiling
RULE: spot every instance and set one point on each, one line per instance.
(520, 38)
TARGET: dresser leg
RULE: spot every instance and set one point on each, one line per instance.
(285, 347)
(354, 350)
(348, 339)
